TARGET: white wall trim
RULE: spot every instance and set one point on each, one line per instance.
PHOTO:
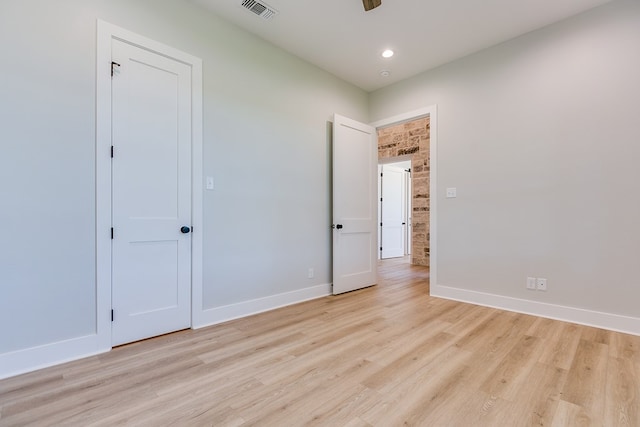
(432, 112)
(105, 34)
(225, 313)
(404, 117)
(613, 322)
(34, 358)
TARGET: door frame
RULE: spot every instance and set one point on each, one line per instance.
(431, 112)
(105, 34)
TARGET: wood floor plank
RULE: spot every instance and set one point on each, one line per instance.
(383, 356)
(357, 422)
(622, 404)
(537, 399)
(561, 345)
(408, 362)
(398, 404)
(490, 350)
(570, 415)
(586, 384)
(338, 388)
(471, 318)
(387, 350)
(624, 346)
(508, 377)
(339, 410)
(484, 409)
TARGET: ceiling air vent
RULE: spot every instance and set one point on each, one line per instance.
(260, 8)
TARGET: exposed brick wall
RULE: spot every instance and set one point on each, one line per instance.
(413, 138)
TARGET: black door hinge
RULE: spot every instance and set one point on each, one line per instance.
(112, 151)
(111, 233)
(112, 315)
(113, 64)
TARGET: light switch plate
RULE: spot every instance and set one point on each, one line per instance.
(452, 192)
(209, 183)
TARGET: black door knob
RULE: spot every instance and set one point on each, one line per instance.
(339, 226)
(185, 229)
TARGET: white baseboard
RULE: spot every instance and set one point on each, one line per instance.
(34, 358)
(225, 313)
(613, 322)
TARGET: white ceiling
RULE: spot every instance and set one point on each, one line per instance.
(340, 37)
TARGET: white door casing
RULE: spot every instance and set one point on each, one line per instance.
(355, 160)
(151, 194)
(393, 212)
(378, 175)
(407, 217)
(432, 113)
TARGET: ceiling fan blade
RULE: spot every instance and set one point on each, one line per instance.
(371, 4)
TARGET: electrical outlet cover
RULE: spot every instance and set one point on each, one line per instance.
(541, 284)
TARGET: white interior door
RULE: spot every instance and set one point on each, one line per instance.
(392, 216)
(151, 194)
(355, 161)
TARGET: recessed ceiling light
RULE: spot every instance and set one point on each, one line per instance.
(387, 53)
(385, 73)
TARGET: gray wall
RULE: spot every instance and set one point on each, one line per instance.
(540, 136)
(265, 143)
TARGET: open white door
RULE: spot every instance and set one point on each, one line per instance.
(392, 217)
(355, 162)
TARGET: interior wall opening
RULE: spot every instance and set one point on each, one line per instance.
(410, 141)
(394, 209)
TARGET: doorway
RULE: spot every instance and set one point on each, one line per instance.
(394, 210)
(409, 136)
(148, 187)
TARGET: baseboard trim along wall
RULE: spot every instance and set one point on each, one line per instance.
(614, 322)
(32, 359)
(225, 313)
(35, 358)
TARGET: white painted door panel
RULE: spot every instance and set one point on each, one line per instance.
(393, 212)
(355, 159)
(151, 194)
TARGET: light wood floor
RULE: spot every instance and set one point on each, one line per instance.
(388, 355)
